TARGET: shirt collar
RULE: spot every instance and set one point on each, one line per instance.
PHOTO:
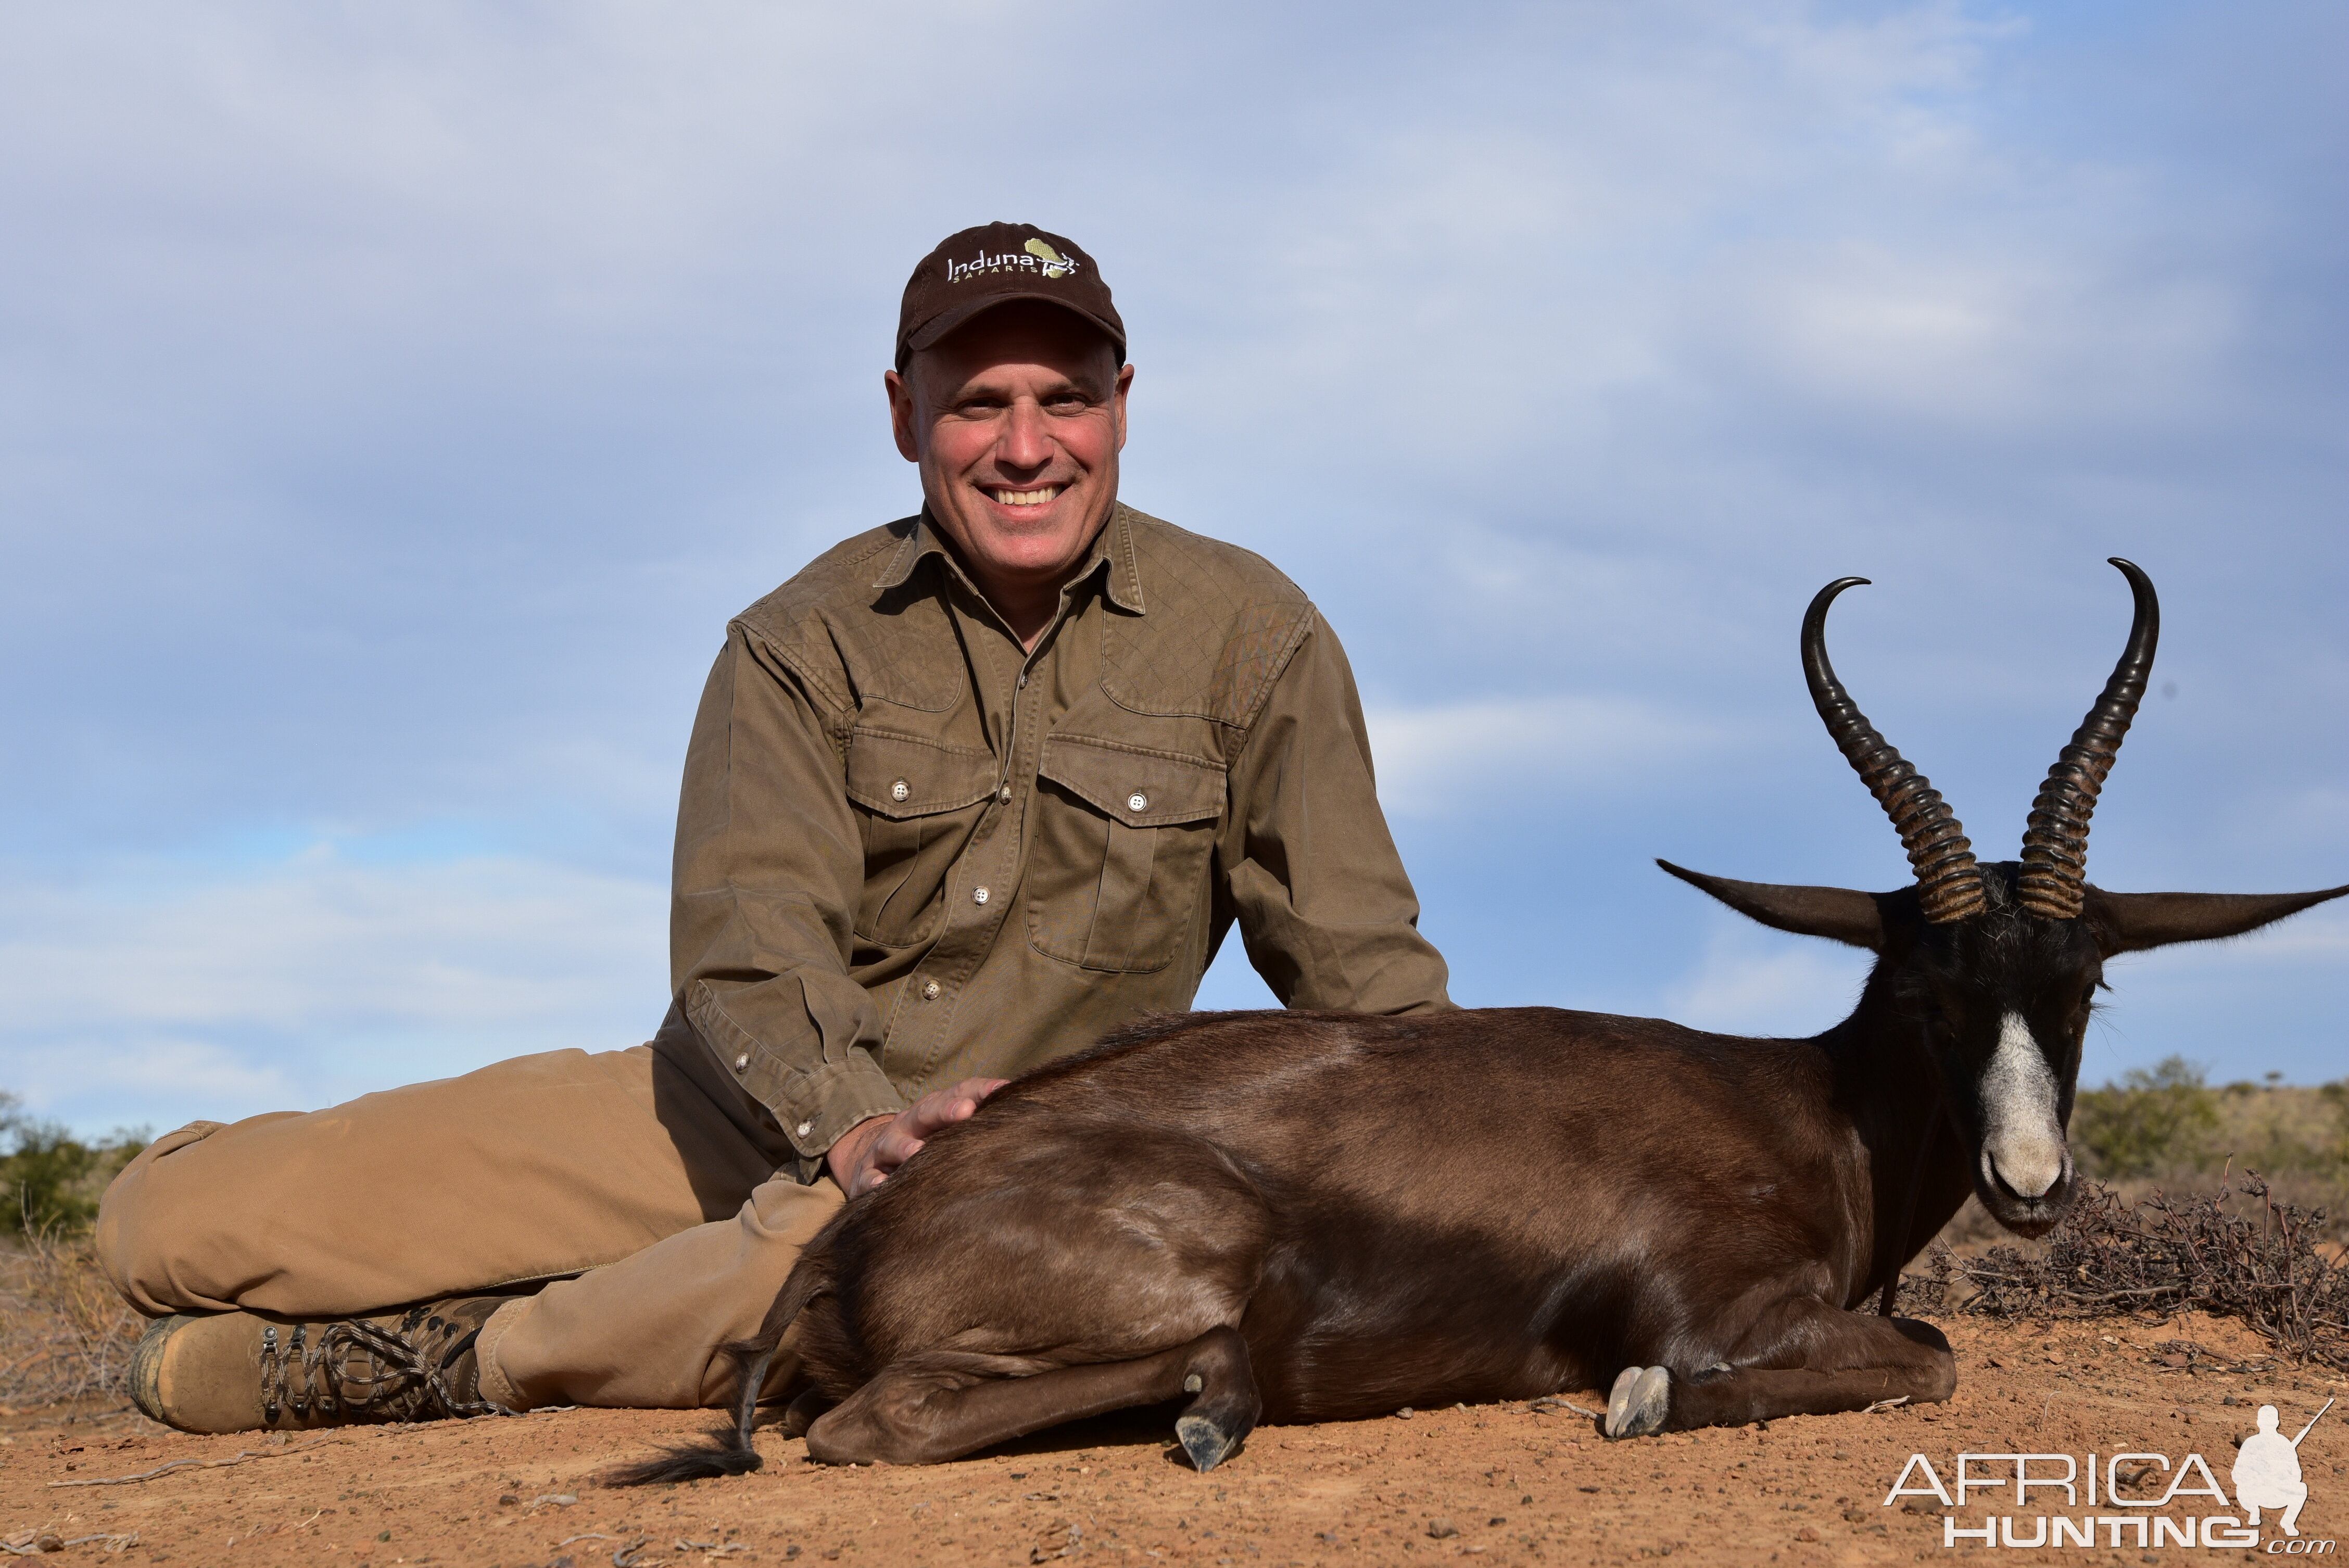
(1112, 548)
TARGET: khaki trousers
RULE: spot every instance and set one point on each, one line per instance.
(636, 1195)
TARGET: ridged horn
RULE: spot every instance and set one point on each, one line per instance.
(2055, 880)
(1949, 882)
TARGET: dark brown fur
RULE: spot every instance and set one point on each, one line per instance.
(1474, 1205)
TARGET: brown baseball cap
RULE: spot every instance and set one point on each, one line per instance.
(994, 264)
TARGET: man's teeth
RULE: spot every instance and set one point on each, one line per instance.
(1027, 497)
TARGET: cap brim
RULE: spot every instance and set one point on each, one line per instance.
(931, 331)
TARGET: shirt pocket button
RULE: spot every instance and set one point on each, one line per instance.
(1137, 801)
(900, 791)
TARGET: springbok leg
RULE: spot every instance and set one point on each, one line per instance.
(942, 1405)
(1802, 1359)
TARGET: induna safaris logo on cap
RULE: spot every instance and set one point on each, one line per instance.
(975, 270)
(1036, 256)
(2139, 1500)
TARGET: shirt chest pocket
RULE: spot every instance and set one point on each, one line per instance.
(1118, 859)
(916, 802)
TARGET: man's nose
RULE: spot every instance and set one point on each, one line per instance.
(1027, 440)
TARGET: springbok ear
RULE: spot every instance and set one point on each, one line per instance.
(2132, 922)
(1836, 914)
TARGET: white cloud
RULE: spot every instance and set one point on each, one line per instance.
(475, 941)
(109, 1074)
(1755, 982)
(290, 983)
(2021, 339)
(1453, 758)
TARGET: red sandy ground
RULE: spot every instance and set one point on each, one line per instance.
(1501, 1483)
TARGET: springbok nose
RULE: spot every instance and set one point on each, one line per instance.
(2027, 1171)
(2023, 1148)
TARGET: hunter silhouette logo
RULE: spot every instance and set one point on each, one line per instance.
(2266, 1471)
(1036, 256)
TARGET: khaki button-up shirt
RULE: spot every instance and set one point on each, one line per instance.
(910, 852)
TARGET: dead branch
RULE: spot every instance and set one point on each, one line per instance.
(2197, 1252)
(201, 1464)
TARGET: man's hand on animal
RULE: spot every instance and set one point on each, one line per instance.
(864, 1159)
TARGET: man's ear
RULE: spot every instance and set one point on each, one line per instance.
(900, 388)
(2132, 922)
(1836, 914)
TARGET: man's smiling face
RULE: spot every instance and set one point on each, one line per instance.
(1016, 419)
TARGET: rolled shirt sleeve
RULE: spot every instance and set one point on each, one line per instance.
(1310, 871)
(768, 870)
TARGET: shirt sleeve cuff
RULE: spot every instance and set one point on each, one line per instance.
(831, 1100)
(815, 1106)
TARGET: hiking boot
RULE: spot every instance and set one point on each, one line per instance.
(234, 1372)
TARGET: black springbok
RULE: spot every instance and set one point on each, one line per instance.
(1301, 1216)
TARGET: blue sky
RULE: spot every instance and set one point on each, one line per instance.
(396, 401)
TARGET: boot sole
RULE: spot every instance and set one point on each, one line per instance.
(145, 1375)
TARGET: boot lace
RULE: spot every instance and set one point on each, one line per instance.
(366, 1369)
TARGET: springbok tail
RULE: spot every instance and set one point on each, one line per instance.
(729, 1450)
(721, 1451)
(752, 1359)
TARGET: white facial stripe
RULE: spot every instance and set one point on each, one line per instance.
(2020, 1133)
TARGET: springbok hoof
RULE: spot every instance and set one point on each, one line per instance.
(1207, 1444)
(1618, 1399)
(1637, 1404)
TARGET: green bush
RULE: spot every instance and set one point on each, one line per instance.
(49, 1179)
(2336, 1099)
(2148, 1123)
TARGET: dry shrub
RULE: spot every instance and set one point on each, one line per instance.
(2261, 1262)
(64, 1333)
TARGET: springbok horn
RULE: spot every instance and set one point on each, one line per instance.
(1949, 882)
(2055, 879)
